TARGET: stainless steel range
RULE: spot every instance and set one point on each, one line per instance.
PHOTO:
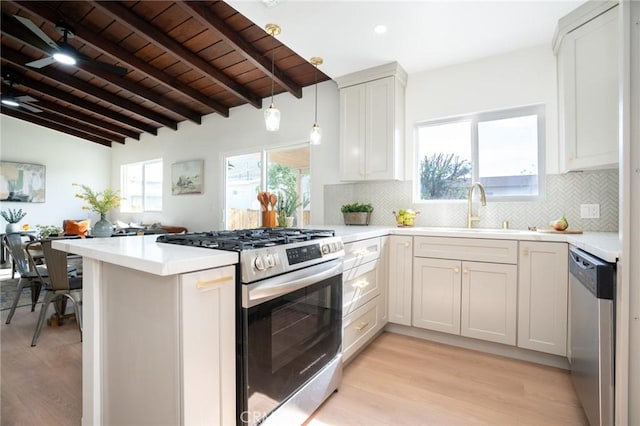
(289, 323)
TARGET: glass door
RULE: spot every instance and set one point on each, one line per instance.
(282, 171)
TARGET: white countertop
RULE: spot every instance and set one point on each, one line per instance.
(142, 253)
(604, 245)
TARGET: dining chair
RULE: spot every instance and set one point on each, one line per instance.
(62, 284)
(30, 275)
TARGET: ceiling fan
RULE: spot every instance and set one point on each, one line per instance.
(11, 100)
(63, 52)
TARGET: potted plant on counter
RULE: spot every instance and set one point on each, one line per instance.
(287, 206)
(357, 213)
(13, 216)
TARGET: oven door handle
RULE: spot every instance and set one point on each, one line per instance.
(262, 291)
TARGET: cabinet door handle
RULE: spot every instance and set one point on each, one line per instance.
(362, 326)
(465, 271)
(525, 252)
(407, 244)
(456, 270)
(360, 284)
(209, 283)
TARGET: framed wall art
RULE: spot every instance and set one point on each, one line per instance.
(22, 182)
(187, 177)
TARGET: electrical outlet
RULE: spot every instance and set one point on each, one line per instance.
(590, 211)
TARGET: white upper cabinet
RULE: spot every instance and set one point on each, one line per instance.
(586, 45)
(371, 124)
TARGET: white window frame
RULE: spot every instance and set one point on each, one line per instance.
(122, 184)
(474, 119)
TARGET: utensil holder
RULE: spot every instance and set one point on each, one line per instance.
(269, 219)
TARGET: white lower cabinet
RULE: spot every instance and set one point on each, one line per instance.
(359, 327)
(437, 294)
(542, 304)
(364, 295)
(177, 365)
(453, 294)
(471, 299)
(400, 278)
(489, 302)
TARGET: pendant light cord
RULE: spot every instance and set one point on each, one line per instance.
(316, 77)
(273, 59)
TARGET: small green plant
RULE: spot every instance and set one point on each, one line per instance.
(357, 208)
(13, 215)
(46, 230)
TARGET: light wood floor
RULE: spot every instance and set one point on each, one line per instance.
(398, 380)
(401, 380)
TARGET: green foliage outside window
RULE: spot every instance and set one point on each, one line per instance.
(443, 176)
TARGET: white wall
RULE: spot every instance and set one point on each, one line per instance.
(67, 159)
(522, 77)
(242, 132)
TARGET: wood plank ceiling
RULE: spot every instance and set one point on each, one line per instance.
(183, 60)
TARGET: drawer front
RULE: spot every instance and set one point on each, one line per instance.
(474, 249)
(359, 285)
(360, 252)
(359, 327)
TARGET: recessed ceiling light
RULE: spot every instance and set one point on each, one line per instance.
(380, 29)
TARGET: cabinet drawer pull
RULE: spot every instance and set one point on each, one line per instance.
(209, 283)
(360, 284)
(362, 326)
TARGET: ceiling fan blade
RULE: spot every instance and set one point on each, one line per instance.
(105, 66)
(41, 63)
(30, 108)
(36, 30)
(26, 98)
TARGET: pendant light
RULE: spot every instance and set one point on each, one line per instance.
(315, 137)
(272, 114)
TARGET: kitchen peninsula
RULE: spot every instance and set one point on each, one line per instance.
(159, 320)
(147, 308)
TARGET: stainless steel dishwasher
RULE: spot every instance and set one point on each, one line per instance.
(592, 322)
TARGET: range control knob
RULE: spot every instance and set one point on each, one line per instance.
(325, 249)
(269, 260)
(258, 263)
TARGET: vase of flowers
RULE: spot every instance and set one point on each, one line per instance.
(13, 216)
(101, 203)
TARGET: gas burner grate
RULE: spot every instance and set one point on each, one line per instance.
(245, 239)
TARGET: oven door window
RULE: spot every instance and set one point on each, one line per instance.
(291, 338)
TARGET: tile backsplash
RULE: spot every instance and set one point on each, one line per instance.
(564, 194)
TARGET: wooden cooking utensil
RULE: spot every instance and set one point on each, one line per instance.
(273, 199)
(264, 200)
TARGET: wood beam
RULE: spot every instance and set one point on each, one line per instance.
(67, 113)
(99, 42)
(213, 22)
(32, 118)
(19, 59)
(80, 102)
(123, 83)
(143, 28)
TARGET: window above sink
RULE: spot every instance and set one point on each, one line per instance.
(503, 150)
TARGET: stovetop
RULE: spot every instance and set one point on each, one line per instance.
(245, 239)
(267, 252)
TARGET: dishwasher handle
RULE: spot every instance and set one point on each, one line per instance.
(595, 274)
